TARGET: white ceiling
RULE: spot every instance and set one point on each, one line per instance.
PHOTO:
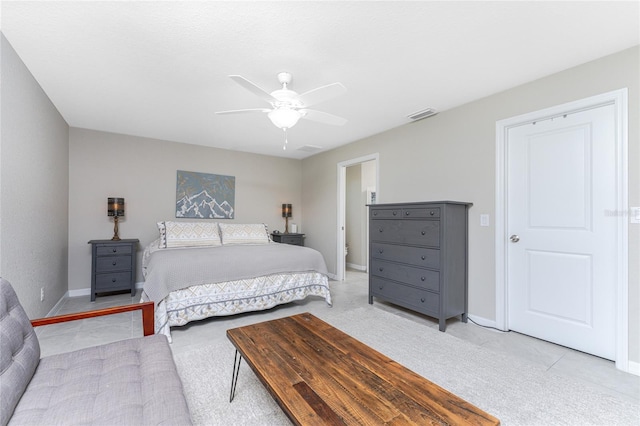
(160, 69)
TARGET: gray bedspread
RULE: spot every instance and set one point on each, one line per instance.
(168, 270)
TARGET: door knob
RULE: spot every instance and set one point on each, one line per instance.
(514, 238)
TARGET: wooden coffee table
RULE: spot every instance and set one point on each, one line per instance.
(320, 375)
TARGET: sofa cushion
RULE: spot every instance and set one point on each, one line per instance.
(130, 382)
(19, 351)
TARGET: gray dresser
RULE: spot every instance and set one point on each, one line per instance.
(113, 266)
(418, 257)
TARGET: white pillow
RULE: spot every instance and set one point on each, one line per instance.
(253, 233)
(188, 234)
(163, 235)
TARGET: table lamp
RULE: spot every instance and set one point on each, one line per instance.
(115, 208)
(286, 213)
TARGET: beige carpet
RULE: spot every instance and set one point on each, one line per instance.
(515, 391)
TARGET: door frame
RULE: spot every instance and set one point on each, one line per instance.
(342, 206)
(617, 98)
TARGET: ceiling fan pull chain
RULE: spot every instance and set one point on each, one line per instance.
(284, 147)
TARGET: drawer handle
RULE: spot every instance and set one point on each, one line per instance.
(113, 280)
(115, 249)
(432, 213)
(423, 257)
(375, 213)
(381, 251)
(423, 232)
(407, 213)
(114, 263)
(381, 269)
(422, 299)
(380, 229)
(422, 278)
(395, 213)
(380, 288)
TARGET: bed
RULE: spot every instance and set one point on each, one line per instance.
(199, 270)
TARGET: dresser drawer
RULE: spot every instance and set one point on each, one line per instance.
(113, 281)
(423, 278)
(414, 298)
(386, 213)
(113, 263)
(418, 256)
(406, 213)
(416, 232)
(113, 250)
(421, 213)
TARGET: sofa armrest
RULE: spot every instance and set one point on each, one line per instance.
(146, 308)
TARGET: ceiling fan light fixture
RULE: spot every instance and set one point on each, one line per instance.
(284, 118)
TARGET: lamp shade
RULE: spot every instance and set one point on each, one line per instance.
(115, 206)
(284, 118)
(286, 210)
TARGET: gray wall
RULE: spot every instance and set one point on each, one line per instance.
(353, 216)
(452, 156)
(34, 188)
(143, 171)
(359, 178)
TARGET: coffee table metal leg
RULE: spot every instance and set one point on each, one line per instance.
(236, 370)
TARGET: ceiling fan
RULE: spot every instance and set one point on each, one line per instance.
(287, 106)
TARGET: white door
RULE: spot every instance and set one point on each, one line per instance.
(562, 252)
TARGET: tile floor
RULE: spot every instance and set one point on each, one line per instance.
(348, 294)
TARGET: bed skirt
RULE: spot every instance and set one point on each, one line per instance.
(233, 297)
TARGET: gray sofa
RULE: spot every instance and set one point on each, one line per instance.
(131, 382)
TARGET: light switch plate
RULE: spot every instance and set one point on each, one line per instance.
(484, 220)
(635, 214)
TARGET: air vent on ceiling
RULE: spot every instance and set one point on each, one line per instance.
(419, 115)
(310, 148)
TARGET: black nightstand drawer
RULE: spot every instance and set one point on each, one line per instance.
(113, 250)
(292, 239)
(113, 263)
(113, 281)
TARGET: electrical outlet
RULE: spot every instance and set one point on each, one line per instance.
(42, 294)
(484, 220)
(635, 214)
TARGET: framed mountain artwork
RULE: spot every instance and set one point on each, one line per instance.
(205, 195)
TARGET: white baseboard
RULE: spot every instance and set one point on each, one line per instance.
(79, 293)
(362, 268)
(55, 308)
(484, 322)
(87, 291)
(633, 367)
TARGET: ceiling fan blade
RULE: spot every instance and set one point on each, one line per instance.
(242, 111)
(253, 88)
(322, 117)
(321, 94)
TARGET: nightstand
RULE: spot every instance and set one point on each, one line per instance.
(113, 266)
(293, 239)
